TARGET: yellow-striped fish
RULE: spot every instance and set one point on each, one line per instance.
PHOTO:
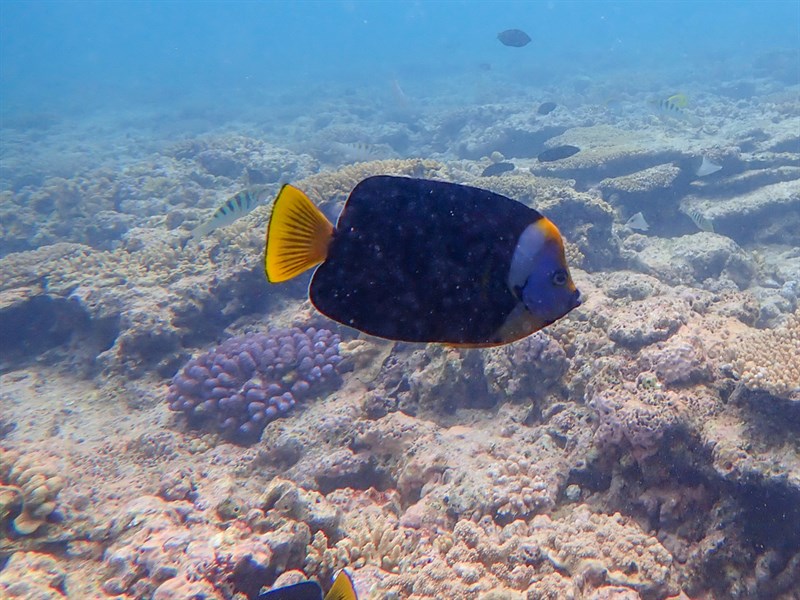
(675, 106)
(235, 207)
(675, 103)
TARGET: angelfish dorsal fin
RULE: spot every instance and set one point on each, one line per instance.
(298, 235)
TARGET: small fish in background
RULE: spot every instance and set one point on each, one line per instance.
(515, 38)
(425, 261)
(399, 95)
(707, 167)
(234, 208)
(558, 153)
(637, 223)
(675, 103)
(342, 589)
(484, 66)
(703, 223)
(675, 106)
(497, 169)
(545, 108)
(358, 151)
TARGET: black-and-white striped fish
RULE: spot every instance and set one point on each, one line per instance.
(234, 208)
(358, 151)
(703, 222)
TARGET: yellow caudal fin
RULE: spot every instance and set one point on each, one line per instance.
(298, 235)
(342, 588)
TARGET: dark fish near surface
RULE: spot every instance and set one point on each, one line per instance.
(310, 590)
(516, 38)
(545, 108)
(425, 261)
(558, 153)
(497, 169)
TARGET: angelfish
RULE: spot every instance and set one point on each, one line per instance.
(425, 261)
(342, 589)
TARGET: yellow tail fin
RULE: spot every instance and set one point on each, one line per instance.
(298, 235)
(342, 588)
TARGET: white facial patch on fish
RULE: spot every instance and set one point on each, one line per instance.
(530, 243)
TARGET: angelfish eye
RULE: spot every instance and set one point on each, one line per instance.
(559, 278)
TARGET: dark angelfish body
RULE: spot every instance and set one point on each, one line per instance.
(305, 590)
(516, 38)
(310, 590)
(558, 153)
(545, 108)
(497, 169)
(425, 261)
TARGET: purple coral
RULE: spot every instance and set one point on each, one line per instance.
(250, 380)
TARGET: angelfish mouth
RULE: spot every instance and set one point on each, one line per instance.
(576, 299)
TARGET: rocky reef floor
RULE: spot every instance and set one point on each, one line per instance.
(646, 446)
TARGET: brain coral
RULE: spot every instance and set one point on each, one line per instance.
(248, 381)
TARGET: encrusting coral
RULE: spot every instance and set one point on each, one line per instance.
(770, 360)
(33, 576)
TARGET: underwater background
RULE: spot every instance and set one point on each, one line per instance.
(647, 445)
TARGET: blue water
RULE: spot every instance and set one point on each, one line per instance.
(71, 57)
(124, 126)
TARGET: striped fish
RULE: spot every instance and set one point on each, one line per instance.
(674, 104)
(703, 223)
(358, 151)
(234, 208)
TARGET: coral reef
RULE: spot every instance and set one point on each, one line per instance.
(767, 214)
(643, 447)
(165, 558)
(647, 321)
(693, 259)
(248, 381)
(770, 360)
(28, 490)
(33, 576)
